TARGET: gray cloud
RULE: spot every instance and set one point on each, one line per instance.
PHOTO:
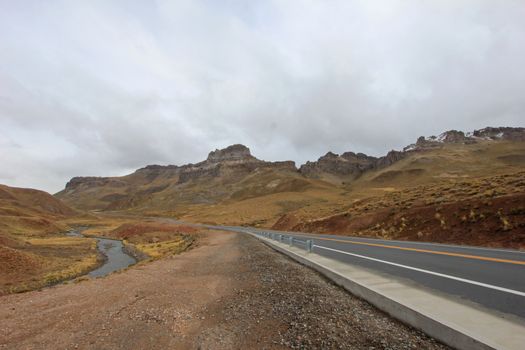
(104, 87)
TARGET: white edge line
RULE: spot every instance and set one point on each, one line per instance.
(372, 240)
(501, 289)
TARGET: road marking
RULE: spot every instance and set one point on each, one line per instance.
(510, 251)
(467, 256)
(501, 289)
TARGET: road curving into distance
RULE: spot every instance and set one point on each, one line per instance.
(493, 278)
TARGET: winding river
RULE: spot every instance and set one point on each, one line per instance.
(112, 249)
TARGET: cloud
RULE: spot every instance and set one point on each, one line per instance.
(105, 87)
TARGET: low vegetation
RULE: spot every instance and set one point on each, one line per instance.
(480, 211)
(155, 239)
(466, 193)
(38, 262)
(34, 250)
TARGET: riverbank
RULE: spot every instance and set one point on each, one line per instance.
(38, 262)
(229, 291)
(34, 262)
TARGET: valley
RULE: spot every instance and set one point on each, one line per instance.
(184, 276)
(40, 245)
(457, 188)
(343, 174)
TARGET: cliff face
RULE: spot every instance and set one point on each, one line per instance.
(459, 137)
(235, 158)
(175, 183)
(347, 164)
(231, 153)
(232, 161)
(93, 181)
(501, 133)
(389, 159)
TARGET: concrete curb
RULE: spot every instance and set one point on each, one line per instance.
(449, 334)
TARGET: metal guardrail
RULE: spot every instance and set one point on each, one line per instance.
(307, 245)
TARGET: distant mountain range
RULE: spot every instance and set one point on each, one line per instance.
(337, 193)
(236, 162)
(457, 187)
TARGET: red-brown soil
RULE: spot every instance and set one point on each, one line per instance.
(495, 222)
(15, 261)
(128, 230)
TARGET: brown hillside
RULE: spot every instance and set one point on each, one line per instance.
(33, 249)
(24, 210)
(346, 194)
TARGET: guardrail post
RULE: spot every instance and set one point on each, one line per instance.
(309, 245)
(291, 241)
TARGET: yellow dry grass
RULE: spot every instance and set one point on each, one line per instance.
(160, 249)
(77, 268)
(451, 173)
(39, 262)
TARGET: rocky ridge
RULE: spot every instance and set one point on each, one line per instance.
(235, 152)
(455, 136)
(353, 165)
(232, 159)
(237, 159)
(346, 164)
(349, 164)
(501, 133)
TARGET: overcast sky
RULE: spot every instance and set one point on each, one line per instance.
(105, 87)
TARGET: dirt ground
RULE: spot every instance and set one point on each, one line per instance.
(230, 291)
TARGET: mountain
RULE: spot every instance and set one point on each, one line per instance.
(457, 188)
(336, 193)
(30, 222)
(350, 166)
(231, 173)
(23, 209)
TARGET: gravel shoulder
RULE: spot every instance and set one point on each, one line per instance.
(230, 291)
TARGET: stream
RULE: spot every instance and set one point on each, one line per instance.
(112, 249)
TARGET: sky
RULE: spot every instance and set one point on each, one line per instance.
(101, 87)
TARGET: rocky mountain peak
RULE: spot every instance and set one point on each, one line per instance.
(231, 153)
(357, 157)
(329, 155)
(346, 164)
(455, 136)
(92, 181)
(501, 133)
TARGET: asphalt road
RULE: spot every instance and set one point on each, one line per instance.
(494, 278)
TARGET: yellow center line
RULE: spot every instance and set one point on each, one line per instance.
(437, 252)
